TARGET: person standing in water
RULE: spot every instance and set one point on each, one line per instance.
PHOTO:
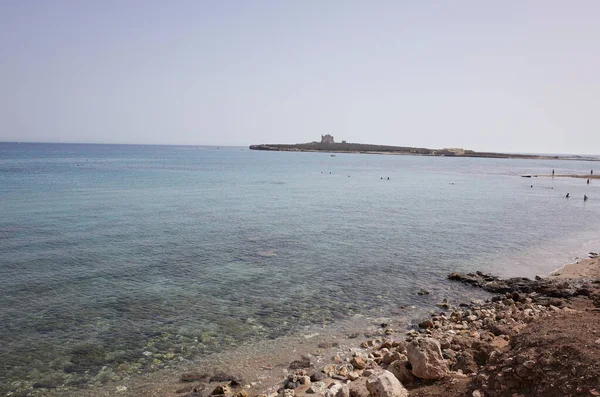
(585, 197)
(552, 173)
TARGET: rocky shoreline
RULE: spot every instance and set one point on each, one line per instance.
(497, 337)
(532, 338)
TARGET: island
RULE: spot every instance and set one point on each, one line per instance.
(328, 145)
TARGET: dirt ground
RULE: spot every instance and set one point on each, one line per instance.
(555, 356)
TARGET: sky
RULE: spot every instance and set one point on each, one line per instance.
(513, 76)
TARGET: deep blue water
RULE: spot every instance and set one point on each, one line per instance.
(111, 252)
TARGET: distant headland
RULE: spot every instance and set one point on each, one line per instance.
(328, 144)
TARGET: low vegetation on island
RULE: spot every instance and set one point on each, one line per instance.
(328, 144)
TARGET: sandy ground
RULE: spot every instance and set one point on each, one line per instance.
(585, 268)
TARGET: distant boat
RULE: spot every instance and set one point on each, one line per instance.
(526, 176)
(333, 155)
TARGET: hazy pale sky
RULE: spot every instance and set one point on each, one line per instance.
(519, 76)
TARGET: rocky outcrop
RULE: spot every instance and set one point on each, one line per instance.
(548, 287)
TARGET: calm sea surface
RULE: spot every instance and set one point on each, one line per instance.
(128, 257)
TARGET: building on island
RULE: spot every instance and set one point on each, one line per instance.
(456, 151)
(327, 139)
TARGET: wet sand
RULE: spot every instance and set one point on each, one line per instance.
(583, 268)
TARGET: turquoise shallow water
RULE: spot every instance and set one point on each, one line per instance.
(130, 256)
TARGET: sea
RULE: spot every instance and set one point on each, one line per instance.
(130, 258)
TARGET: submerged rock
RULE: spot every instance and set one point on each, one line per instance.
(304, 362)
(85, 357)
(50, 383)
(223, 377)
(547, 287)
(193, 377)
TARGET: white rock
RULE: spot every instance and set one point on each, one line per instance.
(385, 384)
(316, 387)
(344, 391)
(289, 393)
(335, 388)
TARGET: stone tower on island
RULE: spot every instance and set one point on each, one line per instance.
(327, 139)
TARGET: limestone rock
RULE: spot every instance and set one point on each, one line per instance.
(315, 387)
(305, 380)
(394, 357)
(358, 388)
(330, 369)
(368, 372)
(402, 371)
(289, 393)
(426, 359)
(358, 363)
(426, 324)
(334, 389)
(385, 384)
(344, 391)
